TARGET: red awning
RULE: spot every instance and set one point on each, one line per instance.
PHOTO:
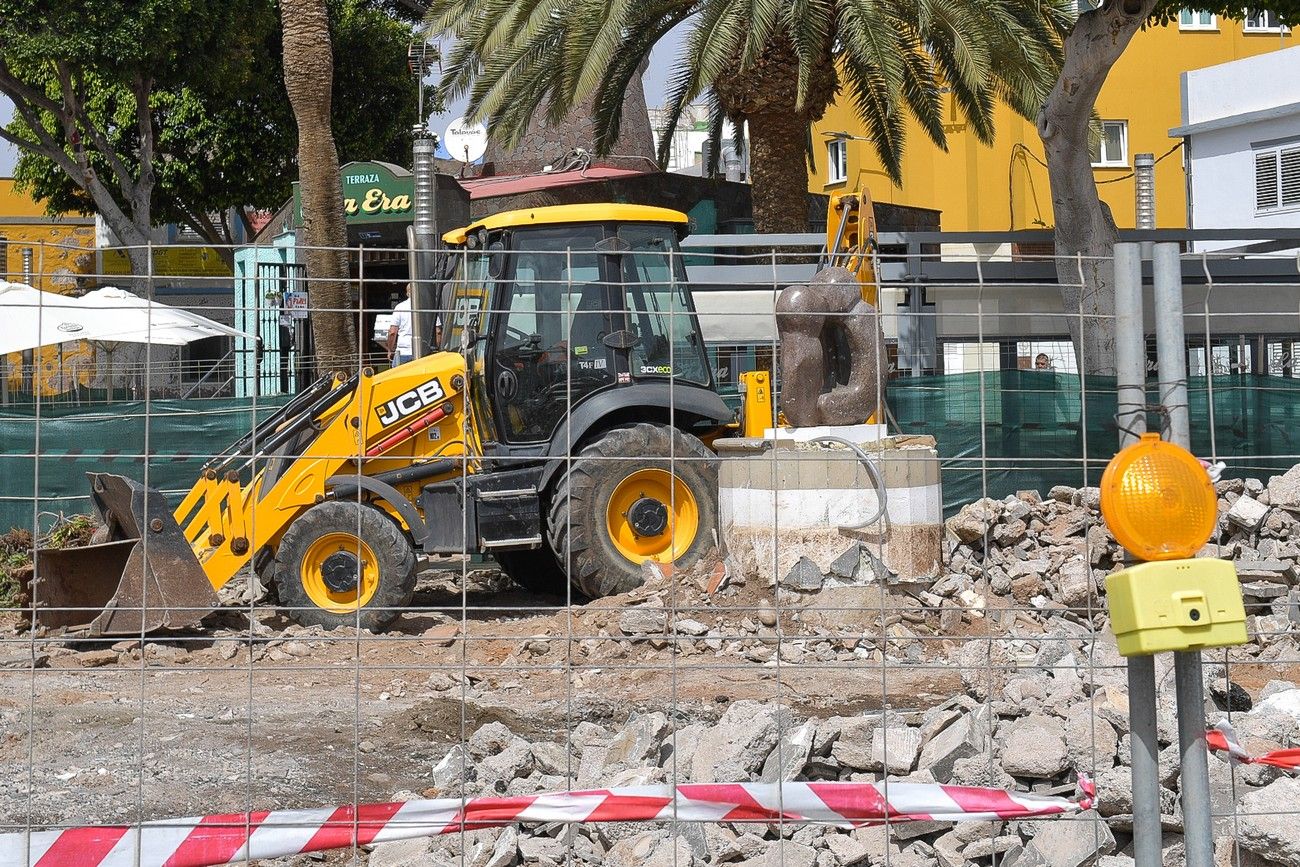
(509, 185)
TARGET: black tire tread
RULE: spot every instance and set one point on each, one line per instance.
(593, 571)
(396, 564)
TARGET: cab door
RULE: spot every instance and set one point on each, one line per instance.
(549, 350)
(471, 290)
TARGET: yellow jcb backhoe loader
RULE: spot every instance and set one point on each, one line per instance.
(561, 428)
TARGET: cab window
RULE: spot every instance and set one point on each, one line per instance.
(659, 306)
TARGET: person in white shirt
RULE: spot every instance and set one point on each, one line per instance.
(399, 332)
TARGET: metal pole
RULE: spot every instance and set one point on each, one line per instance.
(1194, 777)
(1144, 187)
(1130, 345)
(1171, 355)
(1171, 345)
(1145, 754)
(425, 233)
(1130, 369)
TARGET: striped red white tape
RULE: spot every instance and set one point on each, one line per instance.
(1222, 738)
(235, 837)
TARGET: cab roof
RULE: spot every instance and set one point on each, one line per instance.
(601, 212)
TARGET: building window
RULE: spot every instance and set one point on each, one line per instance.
(1277, 179)
(1262, 21)
(1111, 149)
(837, 161)
(1196, 19)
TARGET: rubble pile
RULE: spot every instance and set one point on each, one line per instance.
(1037, 733)
(1020, 606)
(997, 670)
(1050, 557)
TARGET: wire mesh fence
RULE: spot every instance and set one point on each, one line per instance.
(541, 563)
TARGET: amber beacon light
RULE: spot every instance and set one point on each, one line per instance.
(1158, 500)
(1160, 504)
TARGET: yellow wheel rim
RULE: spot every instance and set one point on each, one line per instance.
(340, 552)
(652, 515)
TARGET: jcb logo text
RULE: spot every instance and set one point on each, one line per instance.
(410, 402)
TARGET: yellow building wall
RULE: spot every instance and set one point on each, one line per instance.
(1004, 186)
(62, 248)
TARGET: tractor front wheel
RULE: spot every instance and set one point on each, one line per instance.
(344, 564)
(641, 493)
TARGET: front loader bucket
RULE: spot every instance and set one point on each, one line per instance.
(145, 578)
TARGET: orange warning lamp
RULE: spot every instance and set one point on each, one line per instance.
(1158, 500)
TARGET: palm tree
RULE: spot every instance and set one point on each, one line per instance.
(309, 80)
(774, 65)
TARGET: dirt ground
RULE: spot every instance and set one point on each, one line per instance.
(255, 711)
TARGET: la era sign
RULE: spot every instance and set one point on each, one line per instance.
(373, 192)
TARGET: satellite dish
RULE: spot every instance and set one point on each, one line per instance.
(465, 141)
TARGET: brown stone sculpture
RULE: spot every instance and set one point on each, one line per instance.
(832, 352)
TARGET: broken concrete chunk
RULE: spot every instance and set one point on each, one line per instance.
(643, 620)
(805, 576)
(786, 762)
(1247, 513)
(894, 749)
(1035, 748)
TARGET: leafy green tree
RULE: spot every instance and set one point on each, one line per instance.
(220, 137)
(1085, 230)
(773, 64)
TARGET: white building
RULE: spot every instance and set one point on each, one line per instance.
(690, 139)
(1241, 132)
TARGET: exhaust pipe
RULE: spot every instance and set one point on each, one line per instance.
(145, 578)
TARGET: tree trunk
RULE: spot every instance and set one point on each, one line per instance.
(136, 241)
(1085, 231)
(778, 171)
(309, 79)
(766, 96)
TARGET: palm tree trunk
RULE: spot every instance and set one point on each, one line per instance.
(309, 80)
(779, 171)
(1085, 231)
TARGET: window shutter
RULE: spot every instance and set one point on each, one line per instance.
(1290, 185)
(1266, 181)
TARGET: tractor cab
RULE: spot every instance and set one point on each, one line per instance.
(554, 305)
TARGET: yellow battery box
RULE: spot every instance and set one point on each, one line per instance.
(1170, 605)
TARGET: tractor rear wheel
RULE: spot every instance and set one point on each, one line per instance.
(642, 493)
(534, 570)
(344, 564)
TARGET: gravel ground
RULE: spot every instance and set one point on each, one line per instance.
(281, 716)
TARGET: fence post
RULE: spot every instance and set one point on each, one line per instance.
(424, 243)
(1171, 355)
(1171, 343)
(1130, 345)
(1130, 417)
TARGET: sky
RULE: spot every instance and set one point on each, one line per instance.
(8, 153)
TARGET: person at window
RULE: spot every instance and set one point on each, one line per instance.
(399, 331)
(1042, 362)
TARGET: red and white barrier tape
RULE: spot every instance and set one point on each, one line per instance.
(209, 840)
(1222, 738)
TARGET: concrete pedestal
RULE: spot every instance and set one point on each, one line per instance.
(787, 506)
